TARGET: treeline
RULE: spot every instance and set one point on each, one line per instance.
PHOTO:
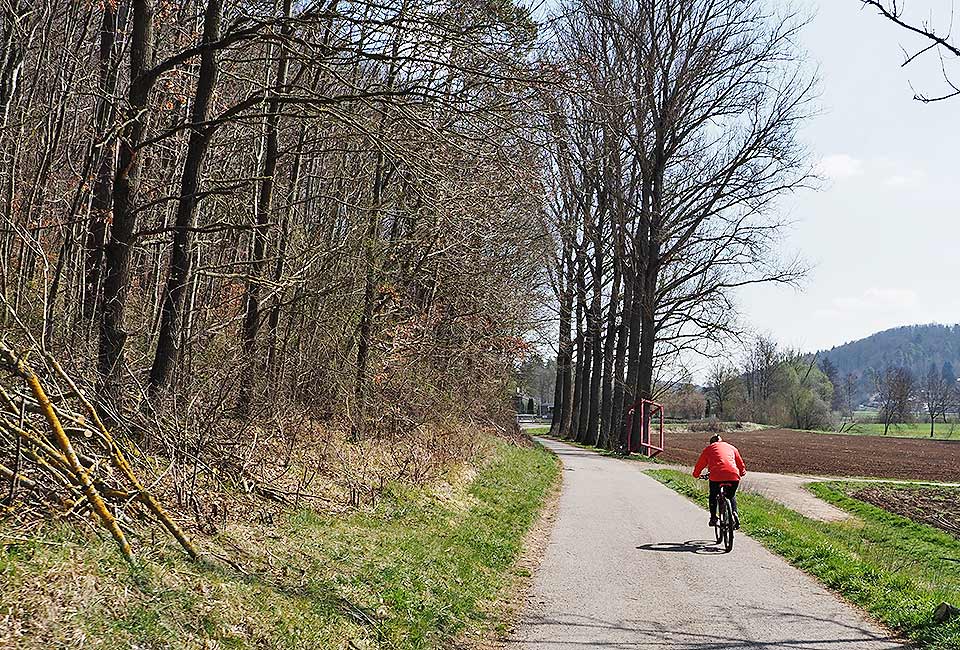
(669, 156)
(807, 391)
(773, 386)
(242, 225)
(901, 397)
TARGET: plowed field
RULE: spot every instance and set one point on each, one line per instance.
(939, 507)
(801, 452)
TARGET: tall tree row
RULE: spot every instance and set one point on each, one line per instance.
(673, 142)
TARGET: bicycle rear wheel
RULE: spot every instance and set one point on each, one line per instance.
(726, 523)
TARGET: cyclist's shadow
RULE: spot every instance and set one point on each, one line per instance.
(698, 546)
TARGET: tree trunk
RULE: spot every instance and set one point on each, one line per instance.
(173, 311)
(627, 435)
(565, 405)
(593, 420)
(585, 379)
(371, 242)
(273, 322)
(648, 287)
(648, 340)
(125, 187)
(561, 389)
(617, 413)
(607, 393)
(251, 317)
(573, 433)
(369, 295)
(106, 159)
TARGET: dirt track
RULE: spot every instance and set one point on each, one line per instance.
(798, 452)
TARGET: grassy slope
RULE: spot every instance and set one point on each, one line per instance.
(892, 567)
(414, 573)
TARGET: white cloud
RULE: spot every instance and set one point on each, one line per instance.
(840, 166)
(906, 179)
(877, 299)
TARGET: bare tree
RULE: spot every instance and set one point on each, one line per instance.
(850, 386)
(721, 383)
(936, 42)
(895, 392)
(762, 359)
(181, 257)
(935, 393)
(126, 182)
(684, 135)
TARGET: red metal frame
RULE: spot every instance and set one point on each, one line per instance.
(648, 409)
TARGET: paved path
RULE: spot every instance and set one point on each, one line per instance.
(631, 564)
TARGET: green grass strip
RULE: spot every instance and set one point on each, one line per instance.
(897, 570)
(412, 574)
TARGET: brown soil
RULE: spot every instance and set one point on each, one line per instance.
(801, 452)
(939, 507)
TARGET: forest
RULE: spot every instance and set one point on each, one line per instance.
(286, 249)
(914, 347)
(299, 249)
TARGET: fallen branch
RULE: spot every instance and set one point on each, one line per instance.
(99, 477)
(82, 476)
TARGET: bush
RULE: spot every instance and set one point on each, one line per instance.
(711, 425)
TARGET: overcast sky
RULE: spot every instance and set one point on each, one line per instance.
(883, 234)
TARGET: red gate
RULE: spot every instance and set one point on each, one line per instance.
(648, 410)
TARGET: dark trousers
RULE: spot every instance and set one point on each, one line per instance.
(715, 493)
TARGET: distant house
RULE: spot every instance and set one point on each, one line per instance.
(525, 404)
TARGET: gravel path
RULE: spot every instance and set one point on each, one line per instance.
(631, 564)
(788, 489)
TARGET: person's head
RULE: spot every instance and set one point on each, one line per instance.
(715, 438)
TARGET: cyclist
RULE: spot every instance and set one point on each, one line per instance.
(725, 465)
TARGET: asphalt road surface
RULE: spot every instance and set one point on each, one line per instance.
(632, 564)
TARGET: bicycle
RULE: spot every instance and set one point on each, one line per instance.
(725, 518)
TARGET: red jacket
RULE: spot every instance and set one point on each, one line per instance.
(724, 462)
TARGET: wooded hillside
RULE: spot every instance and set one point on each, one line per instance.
(914, 347)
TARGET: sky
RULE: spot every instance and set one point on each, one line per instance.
(883, 235)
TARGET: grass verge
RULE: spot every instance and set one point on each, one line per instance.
(417, 571)
(897, 570)
(942, 430)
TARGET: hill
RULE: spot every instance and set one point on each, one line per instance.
(914, 347)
